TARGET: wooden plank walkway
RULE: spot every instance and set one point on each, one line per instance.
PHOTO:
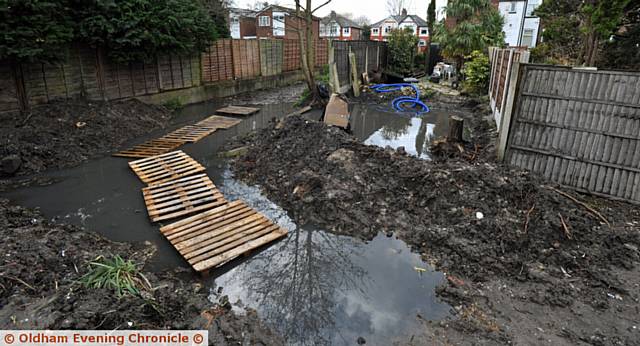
(216, 236)
(165, 167)
(237, 110)
(176, 138)
(150, 148)
(181, 197)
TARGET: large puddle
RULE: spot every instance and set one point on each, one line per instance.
(313, 287)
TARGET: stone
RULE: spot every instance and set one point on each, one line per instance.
(10, 164)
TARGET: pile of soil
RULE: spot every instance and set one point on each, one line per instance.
(64, 134)
(42, 262)
(486, 225)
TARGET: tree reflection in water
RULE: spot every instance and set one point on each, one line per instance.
(296, 284)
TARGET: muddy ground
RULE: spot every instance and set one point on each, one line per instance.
(526, 264)
(65, 134)
(42, 262)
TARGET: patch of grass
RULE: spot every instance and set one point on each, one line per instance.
(116, 273)
(174, 104)
(304, 97)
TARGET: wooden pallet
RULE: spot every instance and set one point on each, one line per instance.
(181, 197)
(161, 168)
(219, 122)
(237, 110)
(150, 148)
(190, 133)
(216, 236)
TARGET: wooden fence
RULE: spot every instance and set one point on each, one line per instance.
(501, 62)
(577, 127)
(89, 73)
(369, 55)
(229, 59)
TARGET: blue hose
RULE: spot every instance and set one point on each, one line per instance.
(400, 103)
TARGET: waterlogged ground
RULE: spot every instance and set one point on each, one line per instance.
(312, 287)
(315, 287)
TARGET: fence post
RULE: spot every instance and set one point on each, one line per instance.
(509, 110)
(355, 80)
(333, 69)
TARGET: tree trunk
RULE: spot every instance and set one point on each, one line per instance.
(456, 126)
(305, 36)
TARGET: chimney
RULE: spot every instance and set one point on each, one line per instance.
(333, 14)
(404, 11)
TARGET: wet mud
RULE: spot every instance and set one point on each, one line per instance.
(42, 262)
(524, 263)
(65, 134)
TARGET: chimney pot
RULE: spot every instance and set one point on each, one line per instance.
(404, 11)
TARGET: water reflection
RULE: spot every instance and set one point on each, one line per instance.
(315, 287)
(381, 128)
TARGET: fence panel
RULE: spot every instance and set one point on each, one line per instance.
(217, 62)
(322, 52)
(579, 128)
(246, 57)
(271, 56)
(291, 56)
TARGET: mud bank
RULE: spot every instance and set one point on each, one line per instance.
(525, 263)
(65, 134)
(42, 263)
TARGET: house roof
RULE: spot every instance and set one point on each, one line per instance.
(280, 9)
(401, 18)
(243, 12)
(341, 20)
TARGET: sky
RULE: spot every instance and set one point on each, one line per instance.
(375, 10)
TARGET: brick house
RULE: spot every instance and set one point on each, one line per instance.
(382, 29)
(242, 23)
(337, 27)
(280, 22)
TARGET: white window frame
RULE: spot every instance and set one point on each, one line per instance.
(528, 32)
(346, 31)
(513, 7)
(264, 21)
(375, 31)
(422, 43)
(424, 31)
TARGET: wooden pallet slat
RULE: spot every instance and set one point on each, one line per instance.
(219, 122)
(165, 167)
(213, 237)
(181, 197)
(237, 110)
(150, 148)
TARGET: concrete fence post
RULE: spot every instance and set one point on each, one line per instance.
(509, 110)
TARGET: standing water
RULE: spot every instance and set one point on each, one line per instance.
(313, 287)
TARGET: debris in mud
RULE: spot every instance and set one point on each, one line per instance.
(64, 134)
(480, 220)
(42, 263)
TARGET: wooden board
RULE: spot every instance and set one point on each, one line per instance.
(220, 122)
(181, 197)
(216, 236)
(337, 112)
(190, 133)
(237, 110)
(150, 148)
(161, 168)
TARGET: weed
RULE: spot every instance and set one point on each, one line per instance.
(117, 274)
(174, 103)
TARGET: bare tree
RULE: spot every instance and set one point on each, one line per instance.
(304, 23)
(395, 7)
(362, 20)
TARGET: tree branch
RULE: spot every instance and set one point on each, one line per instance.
(319, 7)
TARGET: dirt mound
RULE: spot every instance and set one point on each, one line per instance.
(474, 219)
(42, 262)
(63, 134)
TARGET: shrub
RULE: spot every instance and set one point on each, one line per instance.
(477, 73)
(403, 46)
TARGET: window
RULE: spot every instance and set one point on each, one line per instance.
(512, 9)
(423, 31)
(334, 29)
(375, 31)
(527, 37)
(264, 21)
(387, 29)
(422, 43)
(531, 6)
(345, 31)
